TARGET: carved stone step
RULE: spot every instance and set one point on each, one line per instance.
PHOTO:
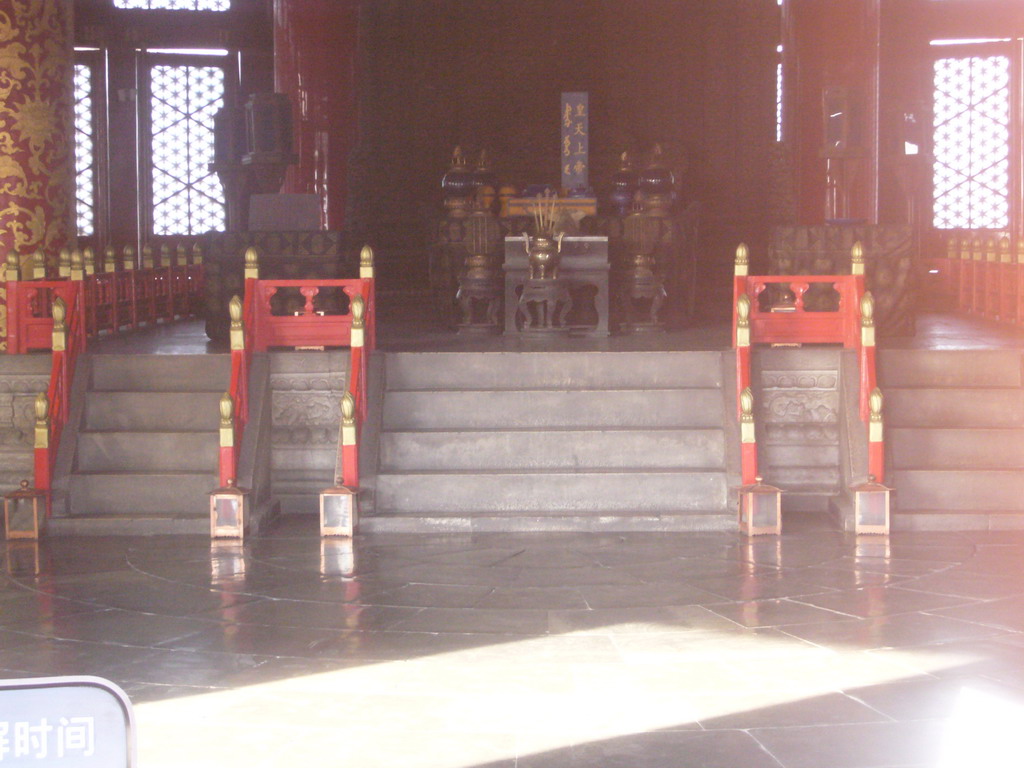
(553, 370)
(598, 493)
(147, 451)
(932, 369)
(954, 407)
(553, 409)
(160, 411)
(553, 449)
(161, 373)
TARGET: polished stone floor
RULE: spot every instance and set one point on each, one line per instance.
(809, 650)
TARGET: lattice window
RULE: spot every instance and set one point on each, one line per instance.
(187, 197)
(85, 158)
(971, 175)
(175, 5)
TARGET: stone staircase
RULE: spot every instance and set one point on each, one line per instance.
(306, 391)
(145, 458)
(553, 441)
(955, 436)
(798, 402)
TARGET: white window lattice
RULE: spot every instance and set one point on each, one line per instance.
(85, 166)
(175, 5)
(188, 198)
(971, 175)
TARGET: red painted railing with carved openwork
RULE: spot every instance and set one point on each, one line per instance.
(851, 325)
(68, 335)
(980, 273)
(312, 313)
(111, 302)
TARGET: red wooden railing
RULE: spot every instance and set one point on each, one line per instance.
(112, 302)
(978, 272)
(851, 324)
(68, 323)
(299, 314)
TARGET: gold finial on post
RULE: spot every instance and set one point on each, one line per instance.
(1005, 254)
(180, 256)
(237, 332)
(366, 263)
(42, 426)
(147, 256)
(77, 268)
(742, 263)
(89, 260)
(227, 421)
(348, 419)
(747, 416)
(166, 256)
(857, 258)
(64, 262)
(128, 254)
(252, 264)
(875, 402)
(38, 265)
(867, 319)
(59, 312)
(12, 267)
(110, 259)
(357, 334)
(743, 321)
(953, 247)
(197, 253)
(990, 248)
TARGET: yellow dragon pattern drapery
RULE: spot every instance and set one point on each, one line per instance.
(36, 133)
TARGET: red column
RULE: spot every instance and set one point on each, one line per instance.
(37, 171)
(831, 65)
(314, 63)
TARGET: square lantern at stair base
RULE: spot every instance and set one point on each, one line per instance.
(871, 507)
(24, 513)
(338, 511)
(228, 512)
(760, 509)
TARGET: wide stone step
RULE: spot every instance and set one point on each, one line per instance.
(527, 521)
(570, 409)
(954, 407)
(553, 370)
(555, 449)
(164, 373)
(158, 411)
(142, 494)
(147, 451)
(965, 490)
(949, 368)
(129, 525)
(956, 448)
(553, 492)
(958, 520)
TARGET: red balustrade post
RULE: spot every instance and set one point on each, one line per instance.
(876, 445)
(349, 443)
(748, 438)
(228, 471)
(368, 292)
(41, 458)
(866, 352)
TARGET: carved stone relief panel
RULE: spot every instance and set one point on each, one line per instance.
(799, 422)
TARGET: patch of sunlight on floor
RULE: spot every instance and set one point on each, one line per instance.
(983, 730)
(493, 702)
